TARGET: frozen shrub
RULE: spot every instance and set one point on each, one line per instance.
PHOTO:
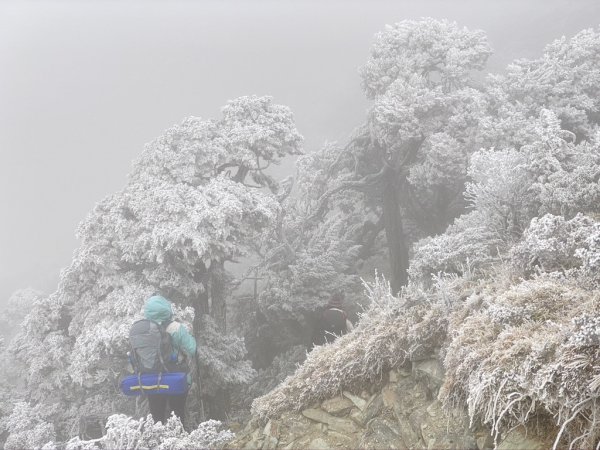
(391, 332)
(525, 352)
(499, 190)
(223, 357)
(468, 242)
(552, 243)
(268, 378)
(125, 433)
(590, 255)
(587, 331)
(28, 427)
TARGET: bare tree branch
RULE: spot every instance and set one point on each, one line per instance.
(367, 181)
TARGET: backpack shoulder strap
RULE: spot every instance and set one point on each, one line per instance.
(340, 311)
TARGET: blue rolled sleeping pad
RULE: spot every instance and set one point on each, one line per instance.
(166, 383)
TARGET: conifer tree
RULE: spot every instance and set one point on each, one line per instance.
(187, 209)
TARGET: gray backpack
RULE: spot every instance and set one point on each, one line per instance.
(151, 348)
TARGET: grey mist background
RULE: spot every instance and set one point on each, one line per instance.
(84, 84)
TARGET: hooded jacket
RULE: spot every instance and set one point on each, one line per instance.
(158, 308)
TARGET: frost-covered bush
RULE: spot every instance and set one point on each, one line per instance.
(499, 190)
(123, 432)
(222, 356)
(507, 189)
(587, 331)
(468, 244)
(527, 350)
(267, 379)
(548, 173)
(553, 243)
(589, 254)
(29, 427)
(565, 79)
(389, 334)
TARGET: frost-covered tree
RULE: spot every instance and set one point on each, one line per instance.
(302, 264)
(409, 160)
(359, 206)
(308, 260)
(11, 370)
(565, 80)
(548, 174)
(187, 209)
(16, 308)
(507, 295)
(523, 338)
(30, 427)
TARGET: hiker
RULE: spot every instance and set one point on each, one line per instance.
(179, 357)
(333, 321)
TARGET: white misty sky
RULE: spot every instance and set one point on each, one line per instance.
(84, 84)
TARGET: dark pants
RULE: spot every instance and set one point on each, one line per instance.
(158, 407)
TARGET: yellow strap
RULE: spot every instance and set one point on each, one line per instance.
(148, 388)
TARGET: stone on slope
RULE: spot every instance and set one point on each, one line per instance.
(337, 406)
(335, 423)
(382, 433)
(359, 402)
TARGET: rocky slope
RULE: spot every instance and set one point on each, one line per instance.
(401, 412)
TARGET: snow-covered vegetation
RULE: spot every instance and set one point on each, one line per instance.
(123, 432)
(479, 201)
(507, 295)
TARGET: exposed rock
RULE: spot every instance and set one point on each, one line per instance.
(485, 441)
(335, 423)
(382, 433)
(452, 441)
(401, 415)
(373, 408)
(404, 372)
(318, 444)
(251, 425)
(341, 440)
(295, 424)
(410, 437)
(441, 430)
(360, 403)
(255, 441)
(356, 415)
(432, 371)
(269, 443)
(390, 397)
(338, 406)
(518, 439)
(271, 433)
(411, 395)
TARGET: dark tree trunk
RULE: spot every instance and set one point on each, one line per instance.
(218, 294)
(200, 309)
(218, 405)
(212, 303)
(394, 232)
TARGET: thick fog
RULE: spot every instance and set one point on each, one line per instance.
(84, 85)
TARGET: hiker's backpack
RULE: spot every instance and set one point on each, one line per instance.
(151, 348)
(333, 323)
